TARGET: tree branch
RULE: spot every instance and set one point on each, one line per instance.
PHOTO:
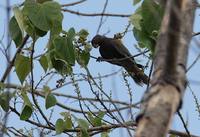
(96, 14)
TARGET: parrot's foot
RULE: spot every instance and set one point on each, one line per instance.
(99, 59)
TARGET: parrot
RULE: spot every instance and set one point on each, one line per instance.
(113, 51)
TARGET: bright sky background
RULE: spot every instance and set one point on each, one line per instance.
(116, 84)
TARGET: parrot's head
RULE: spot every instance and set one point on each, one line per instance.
(97, 41)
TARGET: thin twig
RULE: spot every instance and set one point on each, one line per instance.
(73, 3)
(101, 19)
(184, 124)
(121, 59)
(32, 86)
(195, 34)
(193, 63)
(96, 14)
(118, 111)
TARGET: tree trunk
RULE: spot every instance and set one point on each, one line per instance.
(169, 81)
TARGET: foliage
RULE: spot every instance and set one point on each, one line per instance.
(146, 21)
(64, 50)
(36, 19)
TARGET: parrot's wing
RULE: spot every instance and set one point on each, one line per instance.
(120, 48)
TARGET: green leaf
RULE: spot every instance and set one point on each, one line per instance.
(84, 133)
(44, 16)
(67, 120)
(50, 101)
(136, 21)
(15, 32)
(152, 15)
(46, 89)
(71, 33)
(29, 27)
(4, 104)
(147, 20)
(83, 33)
(83, 58)
(104, 134)
(44, 62)
(42, 1)
(19, 18)
(24, 23)
(68, 123)
(22, 67)
(40, 33)
(59, 126)
(144, 39)
(26, 99)
(5, 98)
(26, 112)
(59, 65)
(83, 124)
(87, 47)
(96, 121)
(27, 106)
(65, 50)
(56, 62)
(136, 2)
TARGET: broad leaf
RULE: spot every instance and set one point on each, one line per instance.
(19, 18)
(96, 120)
(44, 62)
(67, 119)
(144, 39)
(26, 112)
(136, 21)
(44, 16)
(50, 100)
(25, 24)
(83, 35)
(83, 58)
(59, 126)
(5, 98)
(26, 99)
(58, 64)
(42, 1)
(152, 15)
(64, 50)
(146, 21)
(83, 124)
(104, 134)
(84, 133)
(22, 67)
(136, 2)
(15, 32)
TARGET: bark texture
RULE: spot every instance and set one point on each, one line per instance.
(169, 80)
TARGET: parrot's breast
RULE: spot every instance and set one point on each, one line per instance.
(108, 52)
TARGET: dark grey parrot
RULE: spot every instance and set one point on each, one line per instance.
(113, 51)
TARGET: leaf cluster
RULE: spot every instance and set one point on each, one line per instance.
(146, 21)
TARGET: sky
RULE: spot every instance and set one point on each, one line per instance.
(116, 84)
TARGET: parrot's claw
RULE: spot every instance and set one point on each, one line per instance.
(99, 59)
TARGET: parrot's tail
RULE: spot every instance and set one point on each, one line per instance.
(136, 73)
(140, 78)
